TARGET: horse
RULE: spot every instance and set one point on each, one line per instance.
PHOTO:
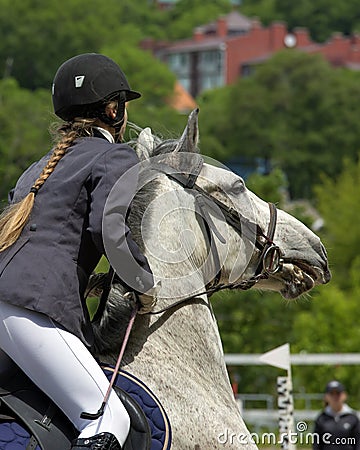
(202, 231)
(195, 251)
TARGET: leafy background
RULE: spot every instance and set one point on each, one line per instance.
(295, 110)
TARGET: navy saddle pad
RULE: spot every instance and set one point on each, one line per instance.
(14, 435)
(154, 412)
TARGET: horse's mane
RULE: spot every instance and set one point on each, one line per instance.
(110, 330)
(158, 146)
(147, 193)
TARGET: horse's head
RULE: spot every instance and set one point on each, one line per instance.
(247, 242)
(293, 258)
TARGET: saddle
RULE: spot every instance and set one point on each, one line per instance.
(29, 420)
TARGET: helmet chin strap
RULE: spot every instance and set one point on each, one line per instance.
(117, 125)
(118, 121)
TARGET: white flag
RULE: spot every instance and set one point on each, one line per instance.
(278, 357)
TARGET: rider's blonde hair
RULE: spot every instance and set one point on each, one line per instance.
(15, 216)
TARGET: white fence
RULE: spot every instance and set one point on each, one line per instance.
(267, 414)
(298, 359)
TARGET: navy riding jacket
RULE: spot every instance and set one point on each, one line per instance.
(48, 267)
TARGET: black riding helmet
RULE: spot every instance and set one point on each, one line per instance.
(86, 82)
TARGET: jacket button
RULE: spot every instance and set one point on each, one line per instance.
(33, 227)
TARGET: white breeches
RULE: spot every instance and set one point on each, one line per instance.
(62, 367)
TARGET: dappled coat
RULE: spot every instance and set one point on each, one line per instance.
(47, 269)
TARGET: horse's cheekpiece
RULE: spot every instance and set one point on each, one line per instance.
(29, 420)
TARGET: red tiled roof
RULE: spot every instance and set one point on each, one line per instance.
(181, 100)
(190, 44)
(234, 21)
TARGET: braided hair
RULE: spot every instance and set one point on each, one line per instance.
(15, 216)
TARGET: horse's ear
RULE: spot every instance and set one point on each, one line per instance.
(145, 144)
(189, 139)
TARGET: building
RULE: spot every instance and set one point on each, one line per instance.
(222, 51)
(168, 4)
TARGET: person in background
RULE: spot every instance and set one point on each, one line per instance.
(337, 427)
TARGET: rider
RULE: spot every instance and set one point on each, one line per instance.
(51, 241)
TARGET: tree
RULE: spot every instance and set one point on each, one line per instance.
(188, 14)
(272, 187)
(327, 325)
(337, 203)
(295, 110)
(36, 50)
(254, 322)
(31, 50)
(24, 120)
(322, 17)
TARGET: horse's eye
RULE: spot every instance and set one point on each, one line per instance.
(238, 187)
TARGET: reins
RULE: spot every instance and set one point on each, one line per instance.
(270, 259)
(100, 412)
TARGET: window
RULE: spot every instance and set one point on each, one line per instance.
(179, 63)
(210, 69)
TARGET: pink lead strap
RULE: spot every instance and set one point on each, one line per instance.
(90, 416)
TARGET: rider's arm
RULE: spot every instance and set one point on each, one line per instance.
(113, 185)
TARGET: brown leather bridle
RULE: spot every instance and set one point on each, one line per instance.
(270, 258)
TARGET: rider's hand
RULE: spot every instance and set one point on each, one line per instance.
(148, 299)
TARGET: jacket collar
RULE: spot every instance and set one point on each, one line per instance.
(105, 133)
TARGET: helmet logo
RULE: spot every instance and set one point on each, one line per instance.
(79, 80)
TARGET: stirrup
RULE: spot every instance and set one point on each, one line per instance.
(102, 441)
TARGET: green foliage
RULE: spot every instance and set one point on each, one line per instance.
(264, 9)
(295, 110)
(30, 38)
(328, 326)
(24, 119)
(271, 187)
(188, 14)
(321, 17)
(324, 321)
(31, 50)
(337, 199)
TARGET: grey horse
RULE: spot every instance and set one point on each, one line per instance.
(195, 247)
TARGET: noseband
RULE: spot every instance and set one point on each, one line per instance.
(270, 259)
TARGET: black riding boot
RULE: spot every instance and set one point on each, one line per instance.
(102, 441)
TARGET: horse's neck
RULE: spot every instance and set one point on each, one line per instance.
(185, 340)
(186, 337)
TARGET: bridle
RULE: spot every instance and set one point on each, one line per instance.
(270, 260)
(271, 257)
